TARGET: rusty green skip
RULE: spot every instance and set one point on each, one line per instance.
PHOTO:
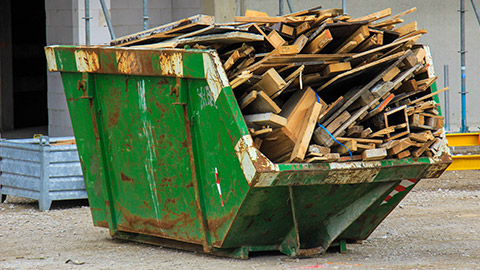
(154, 126)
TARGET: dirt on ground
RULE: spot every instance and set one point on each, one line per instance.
(437, 226)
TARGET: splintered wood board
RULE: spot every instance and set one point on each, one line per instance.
(262, 104)
(230, 37)
(266, 119)
(165, 31)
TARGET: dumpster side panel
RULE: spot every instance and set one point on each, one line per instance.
(83, 115)
(375, 214)
(144, 131)
(216, 130)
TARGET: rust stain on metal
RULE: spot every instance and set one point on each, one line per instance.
(171, 63)
(126, 178)
(87, 61)
(102, 223)
(127, 62)
(310, 251)
(134, 221)
(217, 223)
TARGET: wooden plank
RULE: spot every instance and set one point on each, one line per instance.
(374, 154)
(321, 136)
(254, 13)
(359, 140)
(302, 28)
(428, 96)
(319, 42)
(306, 132)
(275, 39)
(197, 21)
(322, 150)
(355, 39)
(365, 133)
(257, 142)
(354, 131)
(348, 145)
(406, 29)
(245, 76)
(249, 98)
(387, 22)
(295, 108)
(262, 104)
(417, 137)
(270, 82)
(400, 146)
(225, 38)
(335, 68)
(287, 29)
(231, 60)
(382, 132)
(403, 154)
(331, 109)
(419, 151)
(391, 74)
(260, 132)
(361, 68)
(278, 145)
(374, 16)
(266, 119)
(260, 19)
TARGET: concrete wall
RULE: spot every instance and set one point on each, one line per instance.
(442, 20)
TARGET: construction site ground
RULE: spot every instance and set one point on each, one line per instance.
(437, 226)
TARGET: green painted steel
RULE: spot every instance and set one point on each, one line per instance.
(155, 128)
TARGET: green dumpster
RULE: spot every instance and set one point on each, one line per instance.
(167, 159)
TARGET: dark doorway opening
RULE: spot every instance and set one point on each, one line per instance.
(29, 66)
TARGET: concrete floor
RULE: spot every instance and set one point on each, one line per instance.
(24, 133)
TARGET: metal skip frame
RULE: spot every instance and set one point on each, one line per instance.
(147, 181)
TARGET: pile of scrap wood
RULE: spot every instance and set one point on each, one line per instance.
(318, 85)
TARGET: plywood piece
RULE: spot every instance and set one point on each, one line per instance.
(270, 82)
(319, 42)
(266, 119)
(306, 132)
(374, 154)
(262, 104)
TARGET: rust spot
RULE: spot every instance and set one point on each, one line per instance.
(189, 185)
(101, 223)
(113, 118)
(81, 85)
(215, 224)
(309, 205)
(136, 222)
(125, 178)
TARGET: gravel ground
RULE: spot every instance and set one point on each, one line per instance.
(436, 227)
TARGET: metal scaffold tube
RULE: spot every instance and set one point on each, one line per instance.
(87, 22)
(145, 14)
(107, 18)
(447, 98)
(463, 92)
